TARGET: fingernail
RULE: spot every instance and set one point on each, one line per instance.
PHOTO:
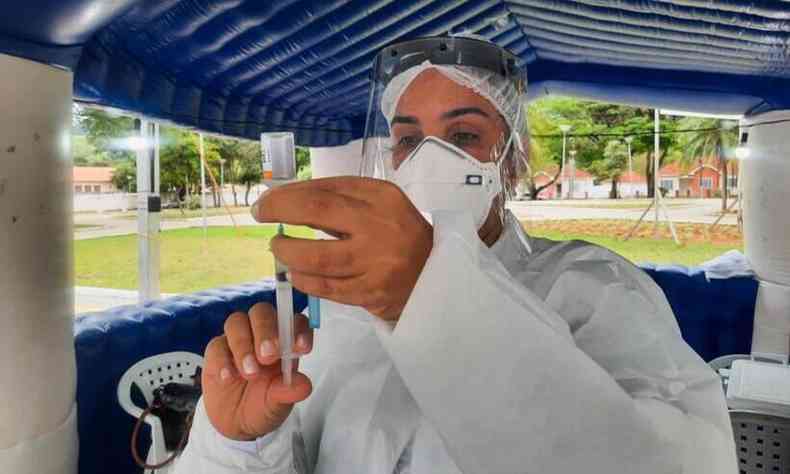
(268, 349)
(254, 210)
(224, 374)
(303, 342)
(250, 366)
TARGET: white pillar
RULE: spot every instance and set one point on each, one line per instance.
(342, 160)
(38, 425)
(572, 184)
(765, 172)
(564, 170)
(148, 209)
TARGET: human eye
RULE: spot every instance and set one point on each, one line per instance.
(404, 143)
(464, 139)
(408, 141)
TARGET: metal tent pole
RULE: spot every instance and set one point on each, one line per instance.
(203, 184)
(149, 205)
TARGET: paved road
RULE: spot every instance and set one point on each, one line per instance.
(110, 224)
(88, 298)
(680, 210)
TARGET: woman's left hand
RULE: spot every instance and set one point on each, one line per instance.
(383, 241)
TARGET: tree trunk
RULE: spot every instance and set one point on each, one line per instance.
(613, 191)
(535, 190)
(247, 194)
(235, 198)
(649, 170)
(649, 175)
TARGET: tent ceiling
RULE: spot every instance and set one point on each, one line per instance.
(240, 67)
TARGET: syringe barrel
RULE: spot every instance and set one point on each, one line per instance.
(285, 326)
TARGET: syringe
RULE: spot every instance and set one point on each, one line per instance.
(285, 315)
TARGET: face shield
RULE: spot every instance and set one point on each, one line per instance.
(447, 96)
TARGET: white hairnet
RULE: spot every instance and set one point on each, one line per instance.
(499, 91)
(496, 89)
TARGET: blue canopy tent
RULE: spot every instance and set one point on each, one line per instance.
(243, 67)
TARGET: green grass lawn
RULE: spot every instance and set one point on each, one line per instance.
(188, 261)
(227, 255)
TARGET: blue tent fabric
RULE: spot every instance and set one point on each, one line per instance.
(715, 318)
(242, 67)
(109, 342)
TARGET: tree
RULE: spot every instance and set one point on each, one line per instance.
(713, 138)
(302, 159)
(645, 142)
(539, 156)
(612, 166)
(593, 124)
(105, 131)
(247, 170)
(85, 154)
(180, 159)
(124, 176)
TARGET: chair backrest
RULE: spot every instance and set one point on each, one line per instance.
(762, 442)
(151, 372)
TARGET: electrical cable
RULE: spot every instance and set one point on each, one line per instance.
(651, 133)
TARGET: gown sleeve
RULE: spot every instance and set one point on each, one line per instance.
(511, 386)
(209, 452)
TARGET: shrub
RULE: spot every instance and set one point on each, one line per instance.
(192, 202)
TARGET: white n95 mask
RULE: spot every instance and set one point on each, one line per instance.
(439, 176)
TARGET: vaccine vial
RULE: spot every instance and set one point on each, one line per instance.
(278, 156)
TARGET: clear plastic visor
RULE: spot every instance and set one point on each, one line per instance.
(463, 91)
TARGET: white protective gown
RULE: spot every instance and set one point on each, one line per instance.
(532, 356)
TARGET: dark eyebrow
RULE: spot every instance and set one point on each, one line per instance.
(405, 119)
(463, 111)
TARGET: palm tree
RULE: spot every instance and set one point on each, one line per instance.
(714, 137)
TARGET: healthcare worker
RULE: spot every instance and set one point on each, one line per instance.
(452, 342)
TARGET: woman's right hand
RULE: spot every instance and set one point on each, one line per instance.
(243, 389)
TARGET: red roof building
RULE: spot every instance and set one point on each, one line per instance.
(541, 178)
(702, 179)
(583, 183)
(632, 177)
(93, 179)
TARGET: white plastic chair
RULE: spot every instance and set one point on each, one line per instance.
(148, 374)
(762, 440)
(722, 366)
